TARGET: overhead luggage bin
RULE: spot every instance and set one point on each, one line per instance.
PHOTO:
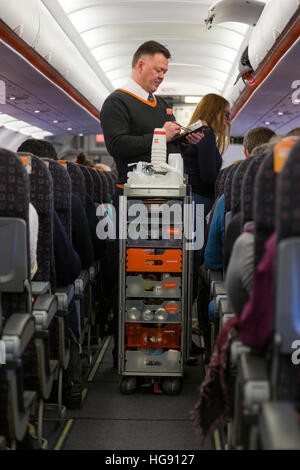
(244, 11)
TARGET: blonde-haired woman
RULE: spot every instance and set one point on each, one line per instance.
(203, 161)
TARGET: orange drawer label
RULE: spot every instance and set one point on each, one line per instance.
(170, 285)
(173, 231)
(151, 260)
(171, 308)
(139, 337)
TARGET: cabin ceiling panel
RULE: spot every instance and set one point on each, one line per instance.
(114, 29)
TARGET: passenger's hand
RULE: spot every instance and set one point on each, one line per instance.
(195, 137)
(172, 129)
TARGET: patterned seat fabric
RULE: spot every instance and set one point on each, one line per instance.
(62, 194)
(218, 181)
(78, 181)
(89, 183)
(41, 196)
(110, 182)
(97, 185)
(227, 187)
(236, 185)
(264, 205)
(105, 185)
(288, 202)
(248, 189)
(14, 202)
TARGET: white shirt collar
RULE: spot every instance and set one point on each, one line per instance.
(136, 89)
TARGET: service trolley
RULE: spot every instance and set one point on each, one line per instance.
(154, 287)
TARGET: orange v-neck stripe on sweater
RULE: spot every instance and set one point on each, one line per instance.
(153, 105)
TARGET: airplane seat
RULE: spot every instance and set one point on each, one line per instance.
(219, 183)
(247, 189)
(227, 194)
(105, 185)
(111, 184)
(285, 372)
(48, 303)
(95, 269)
(89, 183)
(103, 280)
(218, 290)
(237, 182)
(84, 284)
(17, 324)
(252, 386)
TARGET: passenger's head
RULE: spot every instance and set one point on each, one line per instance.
(82, 159)
(255, 137)
(294, 132)
(215, 110)
(40, 148)
(149, 65)
(102, 166)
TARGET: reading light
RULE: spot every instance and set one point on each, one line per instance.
(192, 99)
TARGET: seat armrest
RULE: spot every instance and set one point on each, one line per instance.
(237, 348)
(93, 272)
(219, 288)
(40, 288)
(225, 306)
(215, 275)
(279, 427)
(252, 370)
(81, 282)
(17, 333)
(64, 296)
(44, 310)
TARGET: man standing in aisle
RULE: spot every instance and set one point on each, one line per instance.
(128, 119)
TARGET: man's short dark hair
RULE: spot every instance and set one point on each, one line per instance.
(257, 136)
(39, 148)
(150, 48)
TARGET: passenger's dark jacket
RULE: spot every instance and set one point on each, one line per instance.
(202, 163)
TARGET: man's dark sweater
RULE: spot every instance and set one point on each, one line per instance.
(202, 163)
(128, 123)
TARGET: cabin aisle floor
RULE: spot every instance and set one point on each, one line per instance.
(110, 420)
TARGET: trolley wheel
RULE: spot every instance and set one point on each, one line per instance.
(128, 385)
(172, 385)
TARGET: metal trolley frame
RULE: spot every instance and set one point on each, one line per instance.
(164, 367)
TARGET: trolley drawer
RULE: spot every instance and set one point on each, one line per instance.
(140, 286)
(159, 211)
(167, 312)
(154, 260)
(153, 361)
(139, 336)
(155, 235)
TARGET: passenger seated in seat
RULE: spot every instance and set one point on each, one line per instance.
(255, 137)
(240, 272)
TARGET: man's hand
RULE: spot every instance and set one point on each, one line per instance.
(195, 137)
(172, 129)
